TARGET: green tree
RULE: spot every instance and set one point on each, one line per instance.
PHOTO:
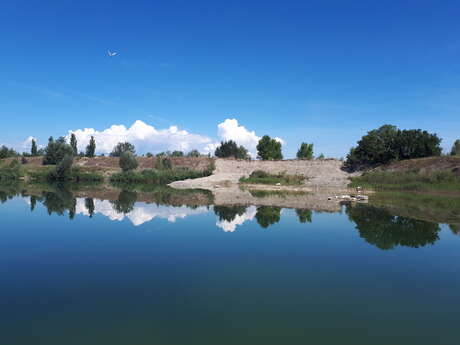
(73, 144)
(34, 149)
(455, 148)
(269, 149)
(91, 148)
(128, 161)
(305, 151)
(56, 150)
(149, 155)
(388, 143)
(321, 156)
(229, 149)
(415, 143)
(123, 147)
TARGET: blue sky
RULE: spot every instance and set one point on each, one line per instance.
(315, 71)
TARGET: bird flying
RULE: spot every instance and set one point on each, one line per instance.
(111, 53)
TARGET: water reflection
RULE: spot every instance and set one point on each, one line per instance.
(378, 226)
(125, 202)
(268, 215)
(230, 217)
(386, 231)
(304, 215)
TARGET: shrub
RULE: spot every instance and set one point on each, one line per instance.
(128, 161)
(262, 177)
(229, 149)
(12, 171)
(121, 148)
(163, 163)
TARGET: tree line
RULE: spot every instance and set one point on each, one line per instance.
(379, 146)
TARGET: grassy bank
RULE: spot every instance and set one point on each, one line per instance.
(262, 177)
(408, 181)
(152, 176)
(74, 176)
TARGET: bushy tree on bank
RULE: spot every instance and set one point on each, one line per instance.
(128, 161)
(56, 150)
(229, 149)
(73, 144)
(6, 152)
(456, 148)
(269, 149)
(305, 151)
(388, 143)
(91, 148)
(121, 148)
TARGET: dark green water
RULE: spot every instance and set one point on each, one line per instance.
(89, 271)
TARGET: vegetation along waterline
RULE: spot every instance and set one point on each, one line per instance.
(375, 151)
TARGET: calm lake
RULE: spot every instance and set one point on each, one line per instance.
(79, 270)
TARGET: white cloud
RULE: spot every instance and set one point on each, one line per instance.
(144, 137)
(231, 130)
(26, 145)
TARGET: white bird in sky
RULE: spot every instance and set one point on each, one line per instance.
(111, 53)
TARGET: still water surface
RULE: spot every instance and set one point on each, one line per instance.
(89, 271)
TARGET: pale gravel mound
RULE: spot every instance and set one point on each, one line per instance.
(320, 174)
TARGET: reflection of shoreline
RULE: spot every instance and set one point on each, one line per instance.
(389, 221)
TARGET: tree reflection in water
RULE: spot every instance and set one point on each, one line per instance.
(455, 228)
(229, 213)
(89, 204)
(125, 202)
(386, 231)
(268, 215)
(304, 215)
(60, 201)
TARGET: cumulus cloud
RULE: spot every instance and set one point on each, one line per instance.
(147, 138)
(231, 130)
(25, 145)
(144, 136)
